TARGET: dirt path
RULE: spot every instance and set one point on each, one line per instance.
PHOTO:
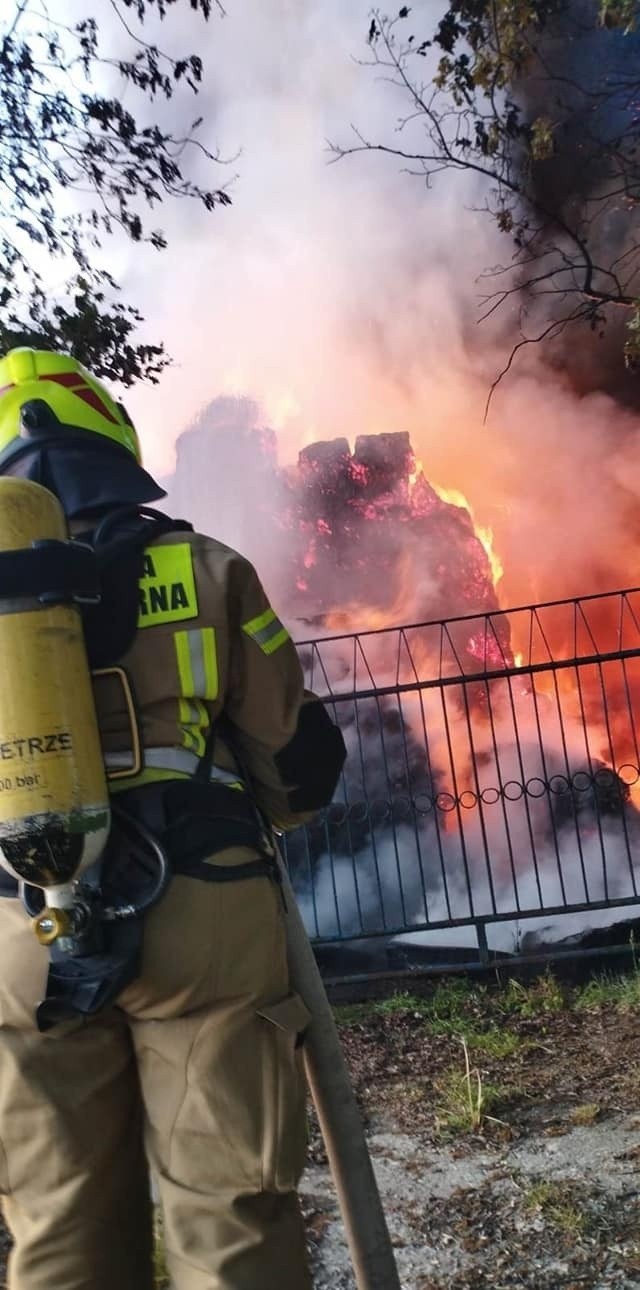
(541, 1214)
(543, 1195)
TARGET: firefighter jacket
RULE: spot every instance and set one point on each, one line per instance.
(212, 675)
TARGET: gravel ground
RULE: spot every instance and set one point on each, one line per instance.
(540, 1214)
(544, 1194)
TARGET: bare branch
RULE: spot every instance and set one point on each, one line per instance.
(555, 148)
(552, 329)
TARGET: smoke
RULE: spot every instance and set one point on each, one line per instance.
(334, 300)
(324, 284)
(342, 299)
(512, 849)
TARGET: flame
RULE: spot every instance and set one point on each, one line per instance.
(374, 582)
(416, 474)
(283, 407)
(484, 534)
(378, 546)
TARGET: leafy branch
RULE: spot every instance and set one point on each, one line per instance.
(77, 166)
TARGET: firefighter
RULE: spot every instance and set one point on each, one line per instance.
(186, 1063)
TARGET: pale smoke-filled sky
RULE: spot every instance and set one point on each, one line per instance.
(324, 285)
(343, 298)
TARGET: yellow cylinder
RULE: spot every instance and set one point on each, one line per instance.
(54, 802)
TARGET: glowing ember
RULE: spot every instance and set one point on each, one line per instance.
(377, 545)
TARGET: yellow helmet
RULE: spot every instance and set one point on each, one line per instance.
(42, 391)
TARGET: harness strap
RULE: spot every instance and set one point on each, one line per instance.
(227, 872)
(119, 542)
(50, 571)
(8, 884)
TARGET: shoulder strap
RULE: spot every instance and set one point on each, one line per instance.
(131, 528)
(119, 543)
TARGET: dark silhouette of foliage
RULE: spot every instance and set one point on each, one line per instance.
(77, 165)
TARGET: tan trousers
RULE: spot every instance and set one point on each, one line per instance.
(200, 1065)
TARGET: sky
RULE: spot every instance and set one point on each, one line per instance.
(324, 284)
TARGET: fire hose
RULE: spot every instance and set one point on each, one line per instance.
(340, 1122)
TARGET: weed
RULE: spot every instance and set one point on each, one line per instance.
(588, 1113)
(543, 995)
(347, 1014)
(455, 997)
(461, 1008)
(449, 1001)
(399, 1004)
(465, 1099)
(493, 1042)
(634, 952)
(556, 1203)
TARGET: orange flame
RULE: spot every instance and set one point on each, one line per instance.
(484, 534)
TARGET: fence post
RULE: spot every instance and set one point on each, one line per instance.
(483, 948)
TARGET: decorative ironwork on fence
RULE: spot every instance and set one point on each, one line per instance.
(493, 770)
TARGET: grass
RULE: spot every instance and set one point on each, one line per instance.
(461, 1007)
(348, 1014)
(491, 1025)
(455, 1008)
(610, 990)
(545, 995)
(554, 1201)
(495, 1042)
(450, 1000)
(465, 1099)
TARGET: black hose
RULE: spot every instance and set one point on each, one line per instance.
(117, 913)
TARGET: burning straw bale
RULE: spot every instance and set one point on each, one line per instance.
(376, 544)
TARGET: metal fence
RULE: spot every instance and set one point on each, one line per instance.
(493, 771)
